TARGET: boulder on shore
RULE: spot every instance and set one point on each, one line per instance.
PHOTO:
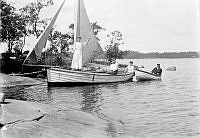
(21, 119)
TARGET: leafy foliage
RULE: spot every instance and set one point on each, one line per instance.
(59, 41)
(12, 25)
(96, 29)
(34, 24)
(112, 50)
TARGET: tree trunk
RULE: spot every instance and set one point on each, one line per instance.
(9, 46)
(24, 41)
(35, 29)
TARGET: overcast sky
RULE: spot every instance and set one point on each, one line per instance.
(146, 25)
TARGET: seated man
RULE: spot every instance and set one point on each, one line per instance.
(113, 68)
(157, 70)
(131, 68)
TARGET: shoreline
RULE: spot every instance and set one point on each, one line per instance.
(7, 81)
(20, 119)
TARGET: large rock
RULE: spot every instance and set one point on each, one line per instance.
(20, 119)
(11, 81)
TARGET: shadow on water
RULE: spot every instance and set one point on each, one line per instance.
(36, 93)
(17, 93)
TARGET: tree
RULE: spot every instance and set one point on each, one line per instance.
(59, 46)
(12, 25)
(59, 41)
(112, 49)
(31, 13)
(96, 29)
(18, 47)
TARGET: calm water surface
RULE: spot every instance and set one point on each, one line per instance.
(167, 108)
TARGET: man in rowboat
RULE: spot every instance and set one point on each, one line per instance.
(77, 57)
(157, 70)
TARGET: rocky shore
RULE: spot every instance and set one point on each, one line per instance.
(22, 119)
(12, 81)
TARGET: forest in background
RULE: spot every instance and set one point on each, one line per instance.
(139, 55)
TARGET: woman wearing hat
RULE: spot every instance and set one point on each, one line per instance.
(77, 57)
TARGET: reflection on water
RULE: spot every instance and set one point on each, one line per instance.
(90, 98)
(38, 93)
(167, 108)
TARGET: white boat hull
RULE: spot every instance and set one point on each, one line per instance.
(141, 75)
(62, 77)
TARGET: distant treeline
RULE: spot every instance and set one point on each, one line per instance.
(138, 55)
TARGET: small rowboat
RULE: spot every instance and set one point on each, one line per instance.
(141, 75)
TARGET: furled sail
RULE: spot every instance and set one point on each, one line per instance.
(83, 28)
(35, 54)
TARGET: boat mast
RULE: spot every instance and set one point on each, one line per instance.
(77, 22)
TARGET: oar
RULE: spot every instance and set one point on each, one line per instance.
(148, 73)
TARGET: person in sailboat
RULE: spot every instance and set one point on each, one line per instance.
(77, 57)
(157, 70)
(113, 67)
(131, 68)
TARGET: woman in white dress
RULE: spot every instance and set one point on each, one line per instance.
(77, 57)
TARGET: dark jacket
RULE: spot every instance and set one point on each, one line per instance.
(157, 71)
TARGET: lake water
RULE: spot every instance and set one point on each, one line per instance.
(169, 108)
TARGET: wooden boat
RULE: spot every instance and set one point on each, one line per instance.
(89, 51)
(30, 66)
(141, 75)
(40, 74)
(62, 77)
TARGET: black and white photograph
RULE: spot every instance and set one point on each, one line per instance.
(100, 69)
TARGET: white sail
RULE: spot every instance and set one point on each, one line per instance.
(35, 54)
(83, 28)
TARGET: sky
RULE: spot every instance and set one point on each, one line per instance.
(146, 25)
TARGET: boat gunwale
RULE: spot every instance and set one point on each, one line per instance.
(90, 73)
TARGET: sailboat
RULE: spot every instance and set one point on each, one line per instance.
(30, 64)
(64, 77)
